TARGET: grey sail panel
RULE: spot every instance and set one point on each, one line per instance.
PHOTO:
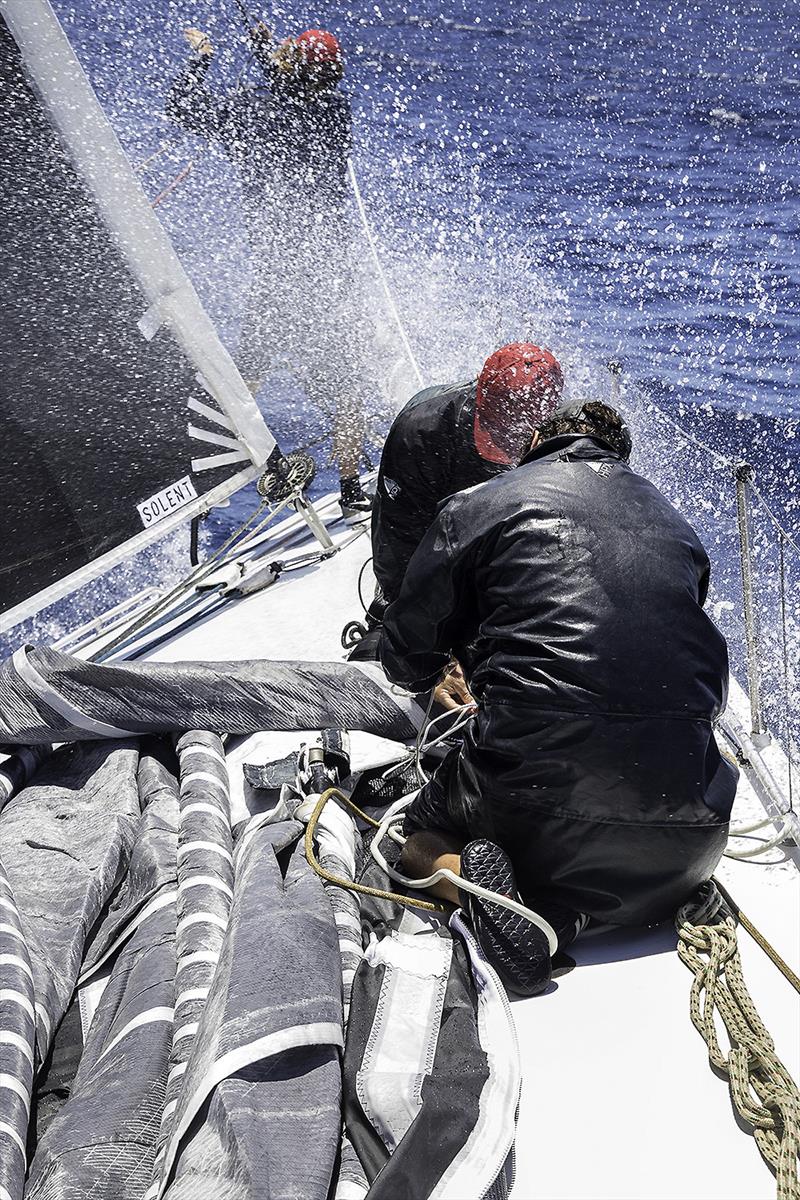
(46, 696)
(104, 340)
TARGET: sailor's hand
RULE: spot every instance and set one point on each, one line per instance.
(260, 37)
(451, 691)
(200, 42)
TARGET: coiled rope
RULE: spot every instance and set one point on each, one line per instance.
(762, 1090)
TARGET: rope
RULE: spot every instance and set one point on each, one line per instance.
(762, 1091)
(185, 584)
(362, 212)
(349, 884)
(172, 185)
(786, 694)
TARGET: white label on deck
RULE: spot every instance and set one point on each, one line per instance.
(167, 501)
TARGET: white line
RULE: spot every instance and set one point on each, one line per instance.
(190, 847)
(12, 1084)
(44, 1016)
(205, 881)
(201, 748)
(201, 918)
(178, 1069)
(185, 1031)
(191, 994)
(199, 956)
(9, 1038)
(12, 1133)
(204, 777)
(10, 931)
(205, 410)
(218, 460)
(206, 808)
(13, 960)
(40, 687)
(13, 997)
(160, 900)
(152, 1016)
(9, 904)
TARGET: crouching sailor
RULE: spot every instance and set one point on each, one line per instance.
(451, 437)
(589, 780)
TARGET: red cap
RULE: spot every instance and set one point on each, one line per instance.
(319, 47)
(518, 388)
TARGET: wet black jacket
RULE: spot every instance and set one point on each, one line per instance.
(579, 590)
(428, 455)
(283, 143)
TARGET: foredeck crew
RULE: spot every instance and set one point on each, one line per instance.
(289, 137)
(451, 437)
(572, 593)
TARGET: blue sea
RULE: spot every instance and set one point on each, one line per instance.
(616, 181)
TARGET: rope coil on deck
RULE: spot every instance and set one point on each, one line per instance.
(762, 1090)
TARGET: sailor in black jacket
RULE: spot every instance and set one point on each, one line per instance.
(289, 137)
(572, 592)
(448, 438)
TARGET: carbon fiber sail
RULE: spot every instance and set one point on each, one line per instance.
(106, 351)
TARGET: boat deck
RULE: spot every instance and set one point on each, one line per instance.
(618, 1098)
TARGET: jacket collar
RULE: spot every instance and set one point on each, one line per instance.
(572, 446)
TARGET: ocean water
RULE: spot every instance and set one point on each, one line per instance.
(617, 181)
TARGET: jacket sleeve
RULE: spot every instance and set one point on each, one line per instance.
(406, 500)
(192, 105)
(434, 613)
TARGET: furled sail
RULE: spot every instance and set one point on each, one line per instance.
(122, 413)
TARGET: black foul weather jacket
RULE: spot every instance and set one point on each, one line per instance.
(428, 455)
(572, 591)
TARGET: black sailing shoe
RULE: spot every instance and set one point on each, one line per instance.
(355, 503)
(516, 948)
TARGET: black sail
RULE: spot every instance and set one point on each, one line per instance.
(104, 342)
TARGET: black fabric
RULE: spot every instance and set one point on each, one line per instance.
(450, 1096)
(93, 414)
(428, 455)
(572, 593)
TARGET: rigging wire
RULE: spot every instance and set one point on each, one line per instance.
(387, 291)
(179, 178)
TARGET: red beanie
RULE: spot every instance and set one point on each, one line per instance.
(319, 47)
(518, 388)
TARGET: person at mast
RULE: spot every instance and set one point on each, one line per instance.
(588, 779)
(289, 137)
(449, 438)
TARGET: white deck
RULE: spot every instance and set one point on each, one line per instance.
(618, 1098)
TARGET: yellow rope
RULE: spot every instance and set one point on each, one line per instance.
(762, 1090)
(351, 885)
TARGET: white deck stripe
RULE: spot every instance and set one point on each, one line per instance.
(152, 1016)
(14, 997)
(205, 881)
(190, 847)
(169, 1109)
(9, 1038)
(39, 685)
(9, 904)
